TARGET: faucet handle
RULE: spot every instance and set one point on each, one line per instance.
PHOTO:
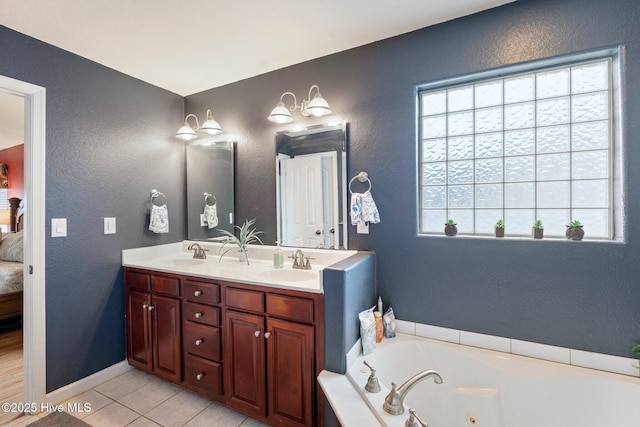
(414, 420)
(373, 386)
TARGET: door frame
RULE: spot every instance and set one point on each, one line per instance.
(34, 315)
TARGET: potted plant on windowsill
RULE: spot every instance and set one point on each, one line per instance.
(538, 230)
(450, 228)
(499, 228)
(575, 230)
(246, 236)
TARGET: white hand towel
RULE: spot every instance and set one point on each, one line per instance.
(369, 209)
(356, 208)
(211, 215)
(159, 219)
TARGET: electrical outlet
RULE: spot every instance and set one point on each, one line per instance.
(203, 221)
(362, 228)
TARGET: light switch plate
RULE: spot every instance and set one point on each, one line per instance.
(362, 228)
(58, 227)
(110, 225)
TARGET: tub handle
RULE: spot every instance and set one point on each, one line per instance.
(373, 386)
(414, 420)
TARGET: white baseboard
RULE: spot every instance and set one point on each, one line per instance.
(87, 383)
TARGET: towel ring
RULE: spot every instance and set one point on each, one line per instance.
(157, 198)
(209, 199)
(362, 177)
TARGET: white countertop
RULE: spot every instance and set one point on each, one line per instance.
(175, 258)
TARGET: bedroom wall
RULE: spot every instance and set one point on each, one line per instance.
(109, 141)
(583, 296)
(14, 158)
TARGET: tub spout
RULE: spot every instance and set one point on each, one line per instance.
(394, 402)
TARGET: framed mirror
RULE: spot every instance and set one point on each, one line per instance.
(210, 189)
(311, 172)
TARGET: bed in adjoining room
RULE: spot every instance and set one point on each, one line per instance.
(11, 271)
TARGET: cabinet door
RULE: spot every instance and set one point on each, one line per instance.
(290, 366)
(244, 366)
(139, 330)
(166, 337)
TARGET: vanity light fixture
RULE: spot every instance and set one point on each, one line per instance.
(210, 126)
(309, 107)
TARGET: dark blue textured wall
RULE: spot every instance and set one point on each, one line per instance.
(583, 296)
(109, 142)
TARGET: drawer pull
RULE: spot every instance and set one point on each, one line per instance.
(256, 333)
(200, 341)
(197, 293)
(198, 315)
(267, 335)
(199, 377)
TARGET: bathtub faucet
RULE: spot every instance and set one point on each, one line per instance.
(394, 402)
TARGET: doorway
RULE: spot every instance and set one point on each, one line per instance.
(34, 320)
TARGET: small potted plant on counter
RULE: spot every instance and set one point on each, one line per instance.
(499, 227)
(538, 230)
(574, 230)
(450, 228)
(636, 350)
(246, 236)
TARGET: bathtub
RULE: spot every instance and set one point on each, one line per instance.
(493, 389)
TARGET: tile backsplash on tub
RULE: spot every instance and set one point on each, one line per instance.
(585, 359)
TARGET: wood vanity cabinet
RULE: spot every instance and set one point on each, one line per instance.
(202, 345)
(255, 348)
(153, 323)
(270, 354)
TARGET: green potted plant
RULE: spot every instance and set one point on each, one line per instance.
(450, 228)
(499, 227)
(574, 230)
(538, 230)
(636, 350)
(246, 236)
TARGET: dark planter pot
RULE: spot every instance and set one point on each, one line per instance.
(450, 229)
(538, 233)
(499, 232)
(574, 233)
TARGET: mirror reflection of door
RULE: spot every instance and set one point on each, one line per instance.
(308, 211)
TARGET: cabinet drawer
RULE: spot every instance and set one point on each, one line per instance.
(136, 280)
(288, 307)
(201, 340)
(208, 293)
(203, 376)
(201, 313)
(244, 299)
(165, 285)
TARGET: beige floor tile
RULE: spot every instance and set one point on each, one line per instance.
(149, 395)
(124, 384)
(143, 422)
(178, 410)
(24, 420)
(95, 400)
(251, 422)
(216, 415)
(113, 415)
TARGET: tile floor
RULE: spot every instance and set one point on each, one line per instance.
(137, 399)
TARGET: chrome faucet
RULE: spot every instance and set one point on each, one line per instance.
(394, 402)
(198, 251)
(300, 261)
(414, 420)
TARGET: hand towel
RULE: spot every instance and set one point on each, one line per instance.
(211, 215)
(159, 219)
(364, 209)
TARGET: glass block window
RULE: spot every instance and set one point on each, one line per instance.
(527, 146)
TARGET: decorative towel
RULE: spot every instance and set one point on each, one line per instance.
(211, 215)
(159, 219)
(363, 209)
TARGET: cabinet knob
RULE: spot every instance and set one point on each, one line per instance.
(198, 315)
(267, 335)
(197, 293)
(144, 306)
(150, 307)
(256, 333)
(200, 341)
(199, 377)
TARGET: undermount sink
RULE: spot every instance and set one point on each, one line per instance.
(181, 262)
(289, 275)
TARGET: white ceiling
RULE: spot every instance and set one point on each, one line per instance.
(188, 46)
